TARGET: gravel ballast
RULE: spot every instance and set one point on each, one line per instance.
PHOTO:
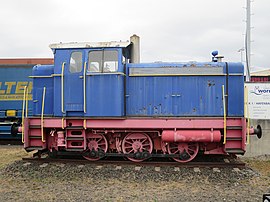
(22, 181)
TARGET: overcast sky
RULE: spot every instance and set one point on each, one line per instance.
(171, 30)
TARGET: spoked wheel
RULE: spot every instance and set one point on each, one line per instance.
(97, 146)
(187, 151)
(138, 144)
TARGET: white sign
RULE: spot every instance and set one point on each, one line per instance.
(257, 100)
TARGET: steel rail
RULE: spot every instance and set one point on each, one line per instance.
(191, 164)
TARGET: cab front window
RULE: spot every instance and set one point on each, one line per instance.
(103, 61)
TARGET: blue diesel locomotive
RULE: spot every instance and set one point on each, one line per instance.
(99, 100)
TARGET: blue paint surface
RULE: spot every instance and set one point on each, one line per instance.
(104, 93)
(195, 94)
(185, 95)
(42, 78)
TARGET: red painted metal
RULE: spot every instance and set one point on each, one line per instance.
(145, 123)
(243, 134)
(26, 129)
(217, 150)
(252, 131)
(137, 142)
(61, 139)
(20, 129)
(187, 151)
(127, 135)
(191, 136)
(150, 123)
(164, 147)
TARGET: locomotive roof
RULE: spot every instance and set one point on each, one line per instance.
(120, 44)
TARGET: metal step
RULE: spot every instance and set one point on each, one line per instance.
(33, 148)
(74, 127)
(35, 126)
(234, 138)
(75, 149)
(75, 138)
(234, 127)
(234, 151)
(34, 137)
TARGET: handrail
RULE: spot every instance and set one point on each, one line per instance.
(40, 76)
(63, 123)
(42, 115)
(247, 115)
(103, 73)
(62, 87)
(84, 124)
(23, 109)
(26, 103)
(224, 115)
(84, 88)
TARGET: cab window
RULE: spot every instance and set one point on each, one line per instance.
(110, 63)
(94, 61)
(75, 64)
(103, 61)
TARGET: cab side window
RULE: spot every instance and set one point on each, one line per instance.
(94, 61)
(103, 61)
(75, 63)
(110, 61)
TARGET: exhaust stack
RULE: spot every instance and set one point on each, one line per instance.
(135, 49)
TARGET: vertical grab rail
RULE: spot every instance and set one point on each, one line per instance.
(247, 114)
(26, 103)
(62, 87)
(42, 114)
(84, 124)
(84, 88)
(224, 115)
(63, 123)
(23, 109)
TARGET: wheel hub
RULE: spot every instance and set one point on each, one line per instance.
(137, 146)
(93, 145)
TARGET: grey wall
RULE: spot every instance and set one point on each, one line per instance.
(261, 146)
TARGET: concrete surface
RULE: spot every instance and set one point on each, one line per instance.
(261, 146)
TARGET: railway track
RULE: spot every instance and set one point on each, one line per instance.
(201, 164)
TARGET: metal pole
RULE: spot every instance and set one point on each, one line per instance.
(248, 44)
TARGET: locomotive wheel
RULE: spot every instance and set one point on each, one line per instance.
(187, 151)
(139, 144)
(97, 145)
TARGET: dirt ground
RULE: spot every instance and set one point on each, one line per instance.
(21, 181)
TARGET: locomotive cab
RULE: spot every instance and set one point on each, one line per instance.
(90, 79)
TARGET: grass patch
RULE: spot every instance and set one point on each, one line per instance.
(9, 154)
(261, 166)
